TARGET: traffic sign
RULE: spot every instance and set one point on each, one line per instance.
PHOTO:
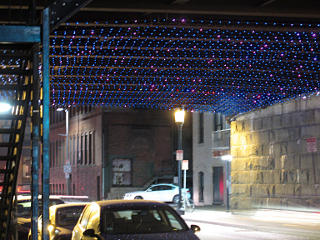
(179, 155)
(185, 165)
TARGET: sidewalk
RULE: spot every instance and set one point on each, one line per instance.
(219, 215)
(263, 224)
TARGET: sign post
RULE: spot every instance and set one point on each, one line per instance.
(185, 167)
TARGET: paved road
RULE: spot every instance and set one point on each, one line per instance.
(261, 224)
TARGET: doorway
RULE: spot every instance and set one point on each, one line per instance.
(218, 185)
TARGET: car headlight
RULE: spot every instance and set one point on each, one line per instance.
(53, 230)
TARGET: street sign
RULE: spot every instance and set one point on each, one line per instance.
(179, 155)
(311, 144)
(185, 165)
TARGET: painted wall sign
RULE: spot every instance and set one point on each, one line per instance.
(311, 144)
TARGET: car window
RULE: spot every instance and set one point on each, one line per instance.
(137, 220)
(68, 216)
(174, 221)
(155, 188)
(23, 207)
(164, 187)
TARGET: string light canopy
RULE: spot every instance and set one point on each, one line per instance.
(200, 64)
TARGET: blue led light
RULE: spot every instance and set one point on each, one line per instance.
(218, 65)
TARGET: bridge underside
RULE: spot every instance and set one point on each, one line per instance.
(208, 55)
(203, 63)
(203, 55)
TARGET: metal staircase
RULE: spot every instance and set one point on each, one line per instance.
(16, 71)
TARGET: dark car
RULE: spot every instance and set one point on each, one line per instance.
(132, 219)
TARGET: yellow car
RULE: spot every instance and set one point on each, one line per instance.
(62, 219)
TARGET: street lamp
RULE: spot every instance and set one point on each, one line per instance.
(5, 107)
(228, 159)
(67, 166)
(179, 119)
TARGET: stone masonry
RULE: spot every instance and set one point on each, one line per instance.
(276, 156)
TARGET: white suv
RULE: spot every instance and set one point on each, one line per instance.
(158, 192)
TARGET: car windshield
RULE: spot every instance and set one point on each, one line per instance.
(68, 216)
(138, 220)
(23, 208)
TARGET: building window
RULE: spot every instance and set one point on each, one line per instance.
(93, 148)
(78, 151)
(73, 150)
(121, 172)
(63, 157)
(90, 147)
(57, 154)
(60, 154)
(53, 153)
(81, 150)
(219, 122)
(201, 186)
(201, 128)
(86, 149)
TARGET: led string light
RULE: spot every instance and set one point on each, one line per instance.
(203, 64)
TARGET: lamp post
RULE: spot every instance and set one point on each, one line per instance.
(67, 166)
(179, 119)
(228, 159)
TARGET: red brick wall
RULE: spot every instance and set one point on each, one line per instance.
(143, 137)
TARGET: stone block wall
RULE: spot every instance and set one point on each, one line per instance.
(276, 156)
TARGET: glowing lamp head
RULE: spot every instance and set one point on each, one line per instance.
(5, 107)
(179, 116)
(226, 158)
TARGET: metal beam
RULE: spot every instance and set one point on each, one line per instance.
(20, 34)
(35, 144)
(62, 10)
(46, 125)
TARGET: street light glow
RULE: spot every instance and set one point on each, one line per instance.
(5, 107)
(226, 158)
(179, 116)
(60, 109)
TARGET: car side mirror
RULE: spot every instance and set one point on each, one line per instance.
(90, 233)
(195, 228)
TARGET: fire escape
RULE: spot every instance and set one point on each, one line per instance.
(20, 84)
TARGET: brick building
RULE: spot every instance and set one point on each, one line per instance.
(111, 152)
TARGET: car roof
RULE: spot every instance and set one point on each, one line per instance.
(61, 197)
(28, 197)
(137, 202)
(63, 205)
(161, 184)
